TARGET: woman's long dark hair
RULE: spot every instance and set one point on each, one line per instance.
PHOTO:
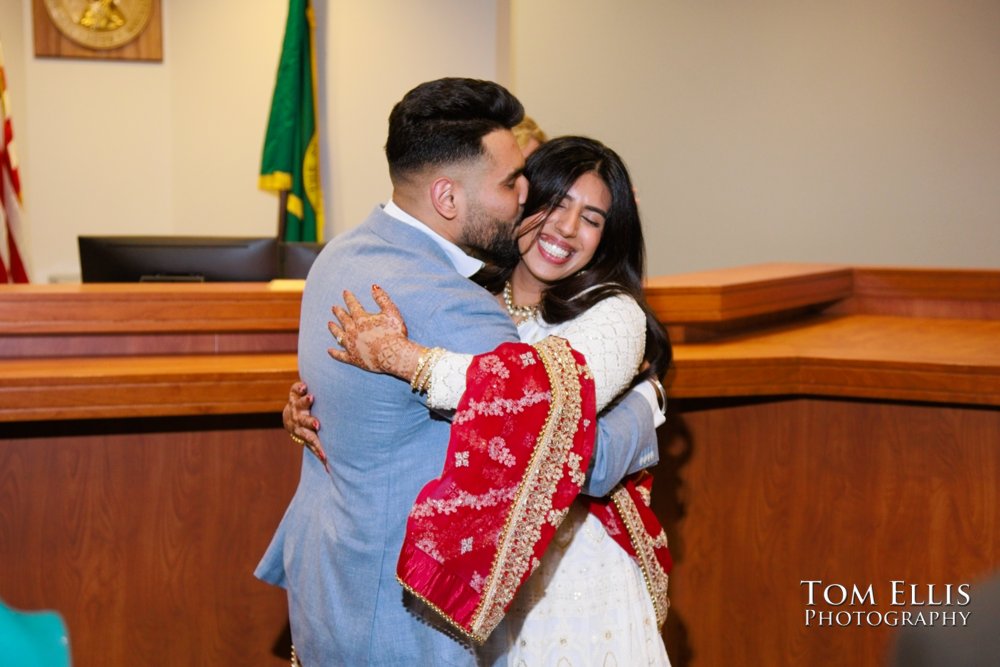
(618, 264)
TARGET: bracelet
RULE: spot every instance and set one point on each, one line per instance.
(661, 393)
(425, 384)
(421, 380)
(421, 362)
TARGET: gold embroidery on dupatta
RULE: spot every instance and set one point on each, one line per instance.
(644, 545)
(452, 623)
(532, 506)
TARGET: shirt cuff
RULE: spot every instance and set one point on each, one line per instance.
(448, 381)
(646, 390)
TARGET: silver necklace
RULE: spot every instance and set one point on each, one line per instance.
(517, 312)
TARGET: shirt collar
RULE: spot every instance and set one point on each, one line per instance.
(463, 263)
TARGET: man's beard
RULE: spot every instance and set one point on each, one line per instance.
(490, 239)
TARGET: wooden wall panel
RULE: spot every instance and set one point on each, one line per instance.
(104, 345)
(144, 535)
(760, 495)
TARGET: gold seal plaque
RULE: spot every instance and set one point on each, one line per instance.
(100, 24)
(98, 29)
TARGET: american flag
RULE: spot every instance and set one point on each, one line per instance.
(11, 263)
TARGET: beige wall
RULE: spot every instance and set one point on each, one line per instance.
(373, 56)
(771, 130)
(861, 132)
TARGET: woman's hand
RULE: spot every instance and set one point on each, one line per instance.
(374, 342)
(299, 422)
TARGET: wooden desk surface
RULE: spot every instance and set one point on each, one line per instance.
(149, 307)
(144, 386)
(866, 356)
(96, 351)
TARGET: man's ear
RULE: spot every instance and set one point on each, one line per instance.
(443, 197)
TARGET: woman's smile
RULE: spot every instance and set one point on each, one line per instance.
(553, 249)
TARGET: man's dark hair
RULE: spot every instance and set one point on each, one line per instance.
(444, 121)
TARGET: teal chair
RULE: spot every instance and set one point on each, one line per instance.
(37, 638)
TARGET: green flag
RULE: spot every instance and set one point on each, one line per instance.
(291, 148)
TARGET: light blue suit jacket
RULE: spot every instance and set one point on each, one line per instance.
(336, 548)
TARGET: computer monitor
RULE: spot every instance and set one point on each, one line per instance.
(296, 258)
(118, 259)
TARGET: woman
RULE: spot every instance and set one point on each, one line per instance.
(579, 277)
(529, 136)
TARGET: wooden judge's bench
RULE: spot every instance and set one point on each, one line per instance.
(830, 424)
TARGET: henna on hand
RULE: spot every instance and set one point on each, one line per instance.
(298, 420)
(375, 342)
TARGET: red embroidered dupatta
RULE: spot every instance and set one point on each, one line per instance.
(520, 445)
(630, 521)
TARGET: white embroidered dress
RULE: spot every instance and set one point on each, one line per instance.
(586, 604)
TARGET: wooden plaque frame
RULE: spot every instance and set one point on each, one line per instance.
(51, 43)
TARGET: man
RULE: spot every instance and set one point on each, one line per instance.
(456, 174)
